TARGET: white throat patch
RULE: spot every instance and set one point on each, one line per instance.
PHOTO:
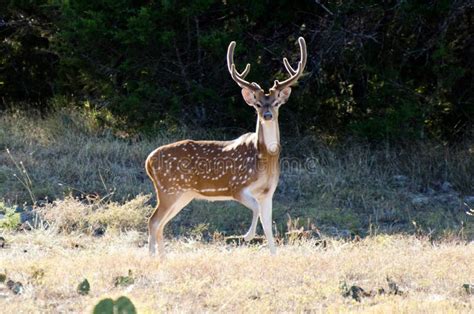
(271, 137)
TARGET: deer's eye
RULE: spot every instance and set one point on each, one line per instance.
(258, 105)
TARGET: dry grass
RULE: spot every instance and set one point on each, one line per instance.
(198, 277)
(350, 190)
(69, 153)
(71, 215)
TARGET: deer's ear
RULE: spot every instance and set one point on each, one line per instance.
(249, 96)
(284, 94)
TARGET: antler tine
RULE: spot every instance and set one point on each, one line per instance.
(288, 67)
(295, 74)
(291, 80)
(230, 61)
(303, 51)
(243, 83)
(239, 78)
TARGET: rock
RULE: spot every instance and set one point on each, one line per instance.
(2, 216)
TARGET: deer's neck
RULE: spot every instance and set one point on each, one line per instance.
(268, 134)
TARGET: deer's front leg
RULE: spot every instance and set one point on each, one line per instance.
(266, 219)
(248, 200)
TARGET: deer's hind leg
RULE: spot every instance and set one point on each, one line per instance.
(168, 207)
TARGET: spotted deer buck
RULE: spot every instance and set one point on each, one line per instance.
(245, 170)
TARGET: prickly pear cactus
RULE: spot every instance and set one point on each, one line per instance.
(122, 305)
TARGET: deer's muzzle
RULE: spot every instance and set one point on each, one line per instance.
(267, 115)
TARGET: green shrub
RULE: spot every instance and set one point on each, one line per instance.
(375, 70)
(11, 218)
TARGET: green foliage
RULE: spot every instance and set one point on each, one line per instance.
(375, 69)
(38, 275)
(11, 220)
(27, 62)
(469, 288)
(122, 305)
(357, 293)
(84, 287)
(341, 218)
(124, 280)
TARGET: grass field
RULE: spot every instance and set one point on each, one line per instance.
(416, 275)
(344, 188)
(367, 228)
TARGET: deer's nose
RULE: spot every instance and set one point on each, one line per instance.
(267, 115)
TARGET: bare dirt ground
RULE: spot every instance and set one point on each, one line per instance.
(379, 274)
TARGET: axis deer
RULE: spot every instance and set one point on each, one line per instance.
(245, 170)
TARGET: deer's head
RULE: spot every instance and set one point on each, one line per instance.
(267, 105)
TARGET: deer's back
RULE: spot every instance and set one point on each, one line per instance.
(206, 167)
